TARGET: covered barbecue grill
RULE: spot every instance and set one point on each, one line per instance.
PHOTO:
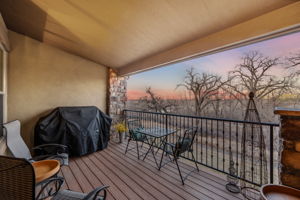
(83, 129)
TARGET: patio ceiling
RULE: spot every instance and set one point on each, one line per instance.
(126, 34)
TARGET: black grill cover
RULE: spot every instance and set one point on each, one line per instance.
(83, 129)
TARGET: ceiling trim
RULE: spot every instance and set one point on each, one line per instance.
(272, 24)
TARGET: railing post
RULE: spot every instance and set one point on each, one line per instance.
(166, 123)
(271, 155)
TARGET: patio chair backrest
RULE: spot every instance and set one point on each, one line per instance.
(14, 140)
(134, 124)
(186, 142)
(17, 179)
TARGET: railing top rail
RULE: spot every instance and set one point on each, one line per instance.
(208, 118)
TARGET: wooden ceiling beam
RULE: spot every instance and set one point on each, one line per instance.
(264, 26)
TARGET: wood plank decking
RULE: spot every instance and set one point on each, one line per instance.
(130, 178)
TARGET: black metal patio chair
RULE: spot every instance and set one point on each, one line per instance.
(18, 148)
(17, 182)
(133, 126)
(183, 144)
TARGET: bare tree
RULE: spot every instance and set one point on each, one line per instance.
(253, 75)
(204, 88)
(153, 102)
(293, 62)
(217, 107)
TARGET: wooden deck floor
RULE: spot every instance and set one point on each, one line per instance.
(130, 178)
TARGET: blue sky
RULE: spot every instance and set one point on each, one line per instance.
(164, 80)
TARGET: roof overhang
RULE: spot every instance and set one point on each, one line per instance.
(278, 22)
(134, 35)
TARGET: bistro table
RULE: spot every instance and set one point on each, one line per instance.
(155, 134)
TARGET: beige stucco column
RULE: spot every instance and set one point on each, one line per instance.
(290, 154)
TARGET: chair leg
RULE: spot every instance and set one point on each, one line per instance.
(149, 149)
(127, 145)
(175, 158)
(195, 161)
(162, 155)
(137, 149)
(161, 145)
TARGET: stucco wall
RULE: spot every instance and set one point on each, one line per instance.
(41, 78)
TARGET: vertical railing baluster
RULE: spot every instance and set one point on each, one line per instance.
(252, 153)
(180, 124)
(162, 116)
(126, 124)
(261, 154)
(206, 141)
(237, 147)
(211, 144)
(172, 125)
(230, 148)
(201, 140)
(184, 128)
(223, 131)
(143, 119)
(187, 126)
(149, 120)
(167, 126)
(175, 135)
(152, 120)
(217, 144)
(271, 154)
(195, 138)
(139, 118)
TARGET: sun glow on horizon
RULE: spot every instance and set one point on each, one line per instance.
(164, 81)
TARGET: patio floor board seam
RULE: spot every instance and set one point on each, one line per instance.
(130, 178)
(115, 190)
(114, 178)
(174, 179)
(81, 179)
(165, 182)
(223, 192)
(150, 180)
(193, 179)
(91, 177)
(139, 190)
(71, 180)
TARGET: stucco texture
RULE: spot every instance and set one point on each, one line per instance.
(41, 78)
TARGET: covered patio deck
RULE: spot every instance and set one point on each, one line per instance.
(130, 178)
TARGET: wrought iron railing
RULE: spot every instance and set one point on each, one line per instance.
(218, 141)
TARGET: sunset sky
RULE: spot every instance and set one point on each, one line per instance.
(164, 80)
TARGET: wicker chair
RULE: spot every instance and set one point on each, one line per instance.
(133, 126)
(183, 144)
(19, 149)
(17, 182)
